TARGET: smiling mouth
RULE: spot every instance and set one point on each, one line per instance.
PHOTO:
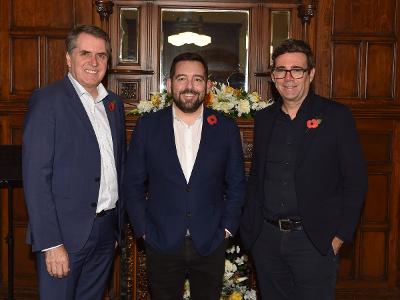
(91, 71)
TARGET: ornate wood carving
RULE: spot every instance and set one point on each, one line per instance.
(305, 13)
(104, 8)
(129, 90)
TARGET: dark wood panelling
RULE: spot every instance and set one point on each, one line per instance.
(24, 61)
(377, 202)
(374, 258)
(55, 64)
(364, 16)
(345, 70)
(377, 146)
(380, 71)
(42, 14)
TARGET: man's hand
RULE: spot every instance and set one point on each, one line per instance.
(336, 244)
(57, 262)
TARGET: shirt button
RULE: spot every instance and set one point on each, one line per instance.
(188, 214)
(284, 183)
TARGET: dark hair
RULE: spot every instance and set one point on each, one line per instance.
(187, 56)
(292, 46)
(70, 41)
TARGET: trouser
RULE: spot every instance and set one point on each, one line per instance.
(90, 267)
(167, 272)
(290, 267)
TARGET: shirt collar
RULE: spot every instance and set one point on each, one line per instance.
(176, 118)
(80, 90)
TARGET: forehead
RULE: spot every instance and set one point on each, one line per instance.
(90, 43)
(291, 59)
(189, 67)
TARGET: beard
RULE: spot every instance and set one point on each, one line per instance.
(188, 106)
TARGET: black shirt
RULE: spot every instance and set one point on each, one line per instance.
(280, 199)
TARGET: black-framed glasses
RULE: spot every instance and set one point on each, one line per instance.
(296, 73)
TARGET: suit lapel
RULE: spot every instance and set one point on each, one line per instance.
(77, 106)
(205, 141)
(316, 112)
(169, 142)
(111, 110)
(266, 126)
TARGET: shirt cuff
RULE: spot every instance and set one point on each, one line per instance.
(47, 249)
(228, 232)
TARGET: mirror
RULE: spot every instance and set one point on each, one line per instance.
(129, 35)
(280, 24)
(219, 36)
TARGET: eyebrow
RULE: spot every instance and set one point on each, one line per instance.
(86, 51)
(291, 67)
(186, 75)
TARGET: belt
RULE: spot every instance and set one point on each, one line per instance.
(287, 225)
(104, 212)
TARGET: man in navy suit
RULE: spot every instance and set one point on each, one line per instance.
(307, 184)
(73, 151)
(184, 186)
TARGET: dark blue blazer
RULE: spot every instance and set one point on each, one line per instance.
(330, 174)
(61, 165)
(159, 201)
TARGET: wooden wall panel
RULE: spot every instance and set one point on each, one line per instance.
(42, 14)
(24, 61)
(377, 202)
(345, 70)
(374, 258)
(380, 60)
(364, 16)
(55, 64)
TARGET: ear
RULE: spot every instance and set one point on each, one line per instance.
(209, 85)
(169, 86)
(272, 77)
(68, 58)
(312, 73)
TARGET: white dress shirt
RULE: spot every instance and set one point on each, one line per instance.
(187, 141)
(108, 192)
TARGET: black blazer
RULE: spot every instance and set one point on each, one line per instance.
(330, 174)
(208, 204)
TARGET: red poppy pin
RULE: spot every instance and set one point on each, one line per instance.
(313, 123)
(111, 105)
(212, 120)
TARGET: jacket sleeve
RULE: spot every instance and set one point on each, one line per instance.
(135, 176)
(235, 182)
(354, 177)
(37, 163)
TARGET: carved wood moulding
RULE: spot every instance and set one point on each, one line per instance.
(104, 8)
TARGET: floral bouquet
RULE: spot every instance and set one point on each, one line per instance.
(224, 98)
(236, 284)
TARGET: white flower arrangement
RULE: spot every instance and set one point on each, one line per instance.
(221, 97)
(236, 284)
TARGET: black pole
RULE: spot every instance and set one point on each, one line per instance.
(10, 240)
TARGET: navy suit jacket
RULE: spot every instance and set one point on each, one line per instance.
(159, 201)
(61, 165)
(330, 174)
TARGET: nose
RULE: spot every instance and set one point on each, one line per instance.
(93, 60)
(288, 75)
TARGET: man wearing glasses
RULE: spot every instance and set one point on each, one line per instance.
(307, 184)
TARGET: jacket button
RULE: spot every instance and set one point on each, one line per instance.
(97, 179)
(187, 189)
(188, 214)
(93, 204)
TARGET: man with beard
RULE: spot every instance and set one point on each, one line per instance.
(184, 186)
